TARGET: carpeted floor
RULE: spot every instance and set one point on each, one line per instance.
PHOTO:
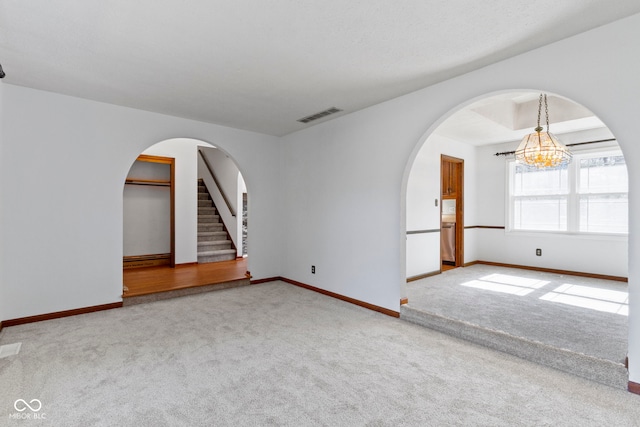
(275, 354)
(488, 303)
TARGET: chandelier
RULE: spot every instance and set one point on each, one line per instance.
(542, 149)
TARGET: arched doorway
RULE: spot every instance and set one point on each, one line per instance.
(208, 220)
(540, 240)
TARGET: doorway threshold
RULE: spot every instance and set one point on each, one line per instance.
(156, 283)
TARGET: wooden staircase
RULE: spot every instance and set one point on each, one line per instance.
(214, 243)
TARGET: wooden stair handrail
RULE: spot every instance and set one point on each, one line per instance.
(215, 180)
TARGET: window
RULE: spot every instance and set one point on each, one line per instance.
(589, 195)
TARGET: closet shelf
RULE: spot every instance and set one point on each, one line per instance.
(154, 182)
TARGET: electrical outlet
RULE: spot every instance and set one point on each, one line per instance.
(313, 269)
(538, 252)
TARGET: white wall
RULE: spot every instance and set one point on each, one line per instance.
(3, 298)
(344, 181)
(185, 153)
(147, 220)
(589, 254)
(596, 255)
(341, 208)
(227, 174)
(66, 160)
(423, 188)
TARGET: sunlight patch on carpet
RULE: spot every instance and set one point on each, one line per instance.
(598, 299)
(507, 284)
(9, 349)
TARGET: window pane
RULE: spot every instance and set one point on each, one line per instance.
(540, 214)
(608, 213)
(589, 195)
(604, 174)
(532, 182)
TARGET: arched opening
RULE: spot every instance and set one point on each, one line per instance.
(193, 218)
(545, 251)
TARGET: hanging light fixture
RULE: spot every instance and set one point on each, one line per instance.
(542, 149)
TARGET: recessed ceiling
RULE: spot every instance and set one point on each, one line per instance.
(259, 65)
(511, 116)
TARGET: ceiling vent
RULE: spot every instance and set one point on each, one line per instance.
(319, 115)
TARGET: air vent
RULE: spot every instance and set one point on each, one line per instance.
(319, 115)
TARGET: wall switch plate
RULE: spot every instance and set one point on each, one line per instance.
(313, 269)
(538, 252)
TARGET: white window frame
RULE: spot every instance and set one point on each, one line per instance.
(573, 197)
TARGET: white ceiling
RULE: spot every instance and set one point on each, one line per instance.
(261, 65)
(511, 116)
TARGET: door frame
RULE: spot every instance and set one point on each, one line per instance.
(459, 198)
(145, 261)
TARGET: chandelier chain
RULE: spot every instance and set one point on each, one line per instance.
(546, 111)
(539, 110)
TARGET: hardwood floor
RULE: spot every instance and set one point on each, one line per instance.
(149, 280)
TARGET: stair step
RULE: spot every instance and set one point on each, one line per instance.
(595, 369)
(216, 234)
(208, 218)
(207, 236)
(213, 240)
(213, 245)
(190, 290)
(211, 233)
(219, 255)
(211, 226)
(218, 252)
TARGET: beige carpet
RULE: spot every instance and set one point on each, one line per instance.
(513, 300)
(275, 354)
